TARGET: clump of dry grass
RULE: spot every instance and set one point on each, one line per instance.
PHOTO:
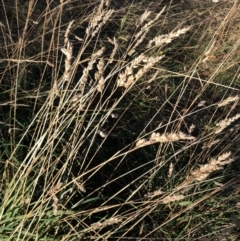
(127, 78)
(166, 137)
(91, 159)
(225, 123)
(228, 100)
(172, 198)
(201, 173)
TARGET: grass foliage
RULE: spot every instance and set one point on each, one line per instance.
(119, 120)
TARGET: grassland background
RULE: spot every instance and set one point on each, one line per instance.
(108, 135)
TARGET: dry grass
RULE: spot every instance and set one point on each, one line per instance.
(116, 125)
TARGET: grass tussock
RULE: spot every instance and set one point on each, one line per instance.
(119, 121)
